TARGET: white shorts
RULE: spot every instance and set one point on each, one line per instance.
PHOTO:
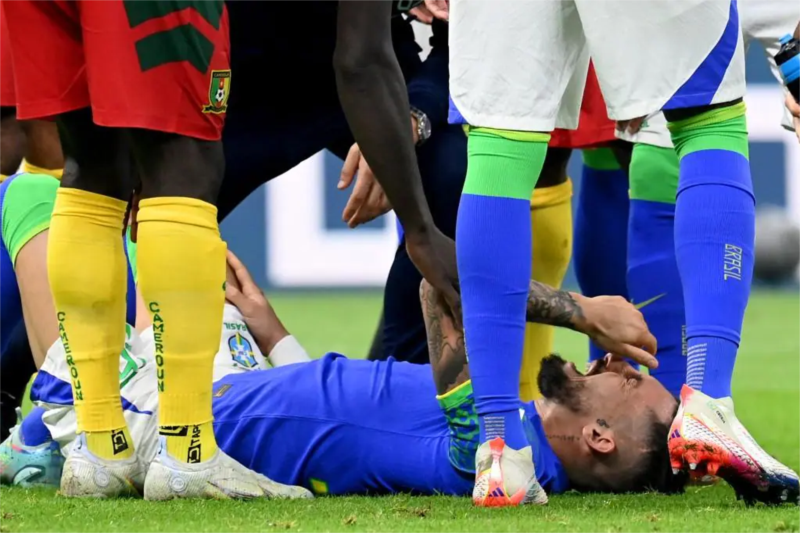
(519, 64)
(765, 21)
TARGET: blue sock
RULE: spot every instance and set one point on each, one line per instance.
(714, 241)
(654, 283)
(33, 430)
(493, 246)
(601, 229)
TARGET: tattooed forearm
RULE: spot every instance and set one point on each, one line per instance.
(446, 349)
(547, 305)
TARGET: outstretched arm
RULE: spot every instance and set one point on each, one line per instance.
(446, 348)
(611, 321)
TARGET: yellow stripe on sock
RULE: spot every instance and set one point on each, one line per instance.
(33, 169)
(550, 196)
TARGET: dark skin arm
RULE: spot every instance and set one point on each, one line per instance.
(612, 322)
(374, 98)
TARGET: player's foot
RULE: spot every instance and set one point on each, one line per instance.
(707, 438)
(505, 477)
(29, 466)
(88, 476)
(221, 477)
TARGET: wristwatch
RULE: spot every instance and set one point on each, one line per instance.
(423, 125)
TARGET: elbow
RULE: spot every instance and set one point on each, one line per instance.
(354, 65)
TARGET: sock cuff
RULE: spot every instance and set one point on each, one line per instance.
(698, 170)
(103, 210)
(27, 209)
(503, 167)
(511, 135)
(550, 196)
(720, 332)
(654, 174)
(600, 159)
(709, 118)
(188, 211)
(33, 169)
(456, 397)
(719, 129)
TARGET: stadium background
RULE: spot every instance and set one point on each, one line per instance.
(290, 233)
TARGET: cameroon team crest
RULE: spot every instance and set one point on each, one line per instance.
(241, 350)
(218, 92)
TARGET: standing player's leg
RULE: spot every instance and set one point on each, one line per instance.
(601, 227)
(715, 207)
(654, 283)
(172, 60)
(551, 230)
(86, 263)
(12, 141)
(510, 100)
(43, 155)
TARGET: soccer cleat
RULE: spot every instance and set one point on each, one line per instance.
(88, 476)
(221, 477)
(707, 438)
(505, 477)
(29, 466)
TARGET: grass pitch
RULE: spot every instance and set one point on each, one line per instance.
(766, 389)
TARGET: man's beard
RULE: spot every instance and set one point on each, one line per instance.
(556, 386)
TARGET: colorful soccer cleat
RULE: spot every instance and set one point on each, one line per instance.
(29, 466)
(505, 477)
(88, 476)
(707, 438)
(221, 477)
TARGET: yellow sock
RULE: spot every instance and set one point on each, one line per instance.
(3, 177)
(551, 222)
(181, 272)
(86, 267)
(33, 169)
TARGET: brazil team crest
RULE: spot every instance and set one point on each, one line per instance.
(218, 92)
(241, 350)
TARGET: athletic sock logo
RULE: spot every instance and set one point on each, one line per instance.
(195, 450)
(174, 431)
(119, 442)
(648, 302)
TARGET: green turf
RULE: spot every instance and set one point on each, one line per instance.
(767, 392)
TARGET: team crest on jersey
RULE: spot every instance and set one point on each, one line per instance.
(241, 350)
(218, 92)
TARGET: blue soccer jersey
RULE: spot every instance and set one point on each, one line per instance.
(341, 426)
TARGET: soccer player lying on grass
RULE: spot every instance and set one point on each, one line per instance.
(606, 430)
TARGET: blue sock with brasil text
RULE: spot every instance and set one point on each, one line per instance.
(654, 283)
(714, 240)
(493, 247)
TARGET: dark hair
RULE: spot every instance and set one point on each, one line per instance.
(654, 471)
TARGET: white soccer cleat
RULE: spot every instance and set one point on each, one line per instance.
(505, 477)
(221, 477)
(87, 476)
(707, 438)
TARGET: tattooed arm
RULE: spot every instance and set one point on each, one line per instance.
(446, 349)
(547, 305)
(611, 322)
(446, 341)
